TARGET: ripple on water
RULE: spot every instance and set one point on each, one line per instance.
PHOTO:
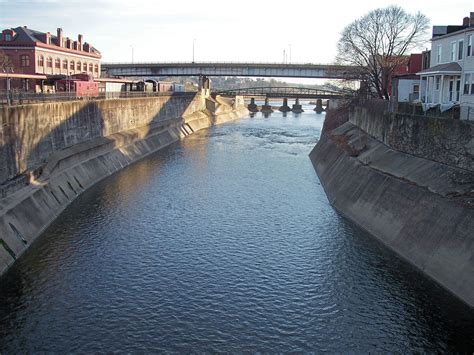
(224, 242)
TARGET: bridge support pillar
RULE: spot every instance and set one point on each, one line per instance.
(319, 106)
(252, 107)
(267, 108)
(285, 107)
(205, 85)
(297, 108)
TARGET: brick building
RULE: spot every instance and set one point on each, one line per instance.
(27, 54)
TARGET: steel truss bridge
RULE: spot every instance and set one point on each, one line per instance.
(283, 92)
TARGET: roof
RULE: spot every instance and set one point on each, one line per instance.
(446, 68)
(25, 35)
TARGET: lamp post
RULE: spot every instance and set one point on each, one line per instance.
(8, 70)
(132, 52)
(194, 40)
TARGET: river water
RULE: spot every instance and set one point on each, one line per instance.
(225, 242)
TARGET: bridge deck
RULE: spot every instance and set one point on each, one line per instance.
(322, 71)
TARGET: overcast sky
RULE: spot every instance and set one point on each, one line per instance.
(245, 30)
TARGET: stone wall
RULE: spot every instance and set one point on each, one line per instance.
(384, 173)
(29, 134)
(447, 141)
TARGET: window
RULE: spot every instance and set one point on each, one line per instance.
(472, 84)
(90, 67)
(84, 67)
(437, 82)
(71, 65)
(25, 60)
(460, 49)
(438, 54)
(8, 37)
(65, 64)
(57, 63)
(96, 68)
(78, 66)
(40, 61)
(49, 62)
(453, 52)
(467, 82)
(469, 45)
(416, 90)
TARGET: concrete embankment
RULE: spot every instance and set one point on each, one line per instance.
(52, 152)
(409, 181)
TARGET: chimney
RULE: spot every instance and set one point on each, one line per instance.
(68, 42)
(466, 22)
(59, 37)
(47, 38)
(87, 47)
(75, 45)
(79, 42)
(471, 21)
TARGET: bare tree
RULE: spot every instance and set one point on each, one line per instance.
(378, 43)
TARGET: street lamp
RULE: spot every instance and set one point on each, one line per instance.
(132, 52)
(194, 40)
(8, 70)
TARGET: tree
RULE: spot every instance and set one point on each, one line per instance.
(378, 42)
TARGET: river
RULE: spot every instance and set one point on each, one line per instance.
(224, 242)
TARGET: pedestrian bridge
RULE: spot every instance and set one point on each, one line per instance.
(318, 71)
(289, 92)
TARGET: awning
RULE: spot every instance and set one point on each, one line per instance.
(442, 69)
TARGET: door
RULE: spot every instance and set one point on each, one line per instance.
(458, 88)
(450, 90)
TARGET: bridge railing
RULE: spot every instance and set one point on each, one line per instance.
(21, 97)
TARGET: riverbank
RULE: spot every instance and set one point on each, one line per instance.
(409, 182)
(50, 153)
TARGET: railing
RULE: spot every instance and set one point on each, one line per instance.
(220, 62)
(20, 97)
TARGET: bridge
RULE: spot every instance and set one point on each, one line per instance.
(317, 71)
(282, 92)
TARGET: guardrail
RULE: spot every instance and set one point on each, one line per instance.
(20, 98)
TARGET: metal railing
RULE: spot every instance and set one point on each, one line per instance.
(21, 97)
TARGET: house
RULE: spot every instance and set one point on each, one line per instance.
(449, 80)
(405, 82)
(32, 59)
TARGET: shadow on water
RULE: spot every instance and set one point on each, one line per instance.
(448, 323)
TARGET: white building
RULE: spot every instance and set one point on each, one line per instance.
(449, 80)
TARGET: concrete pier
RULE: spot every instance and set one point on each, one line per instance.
(319, 106)
(267, 108)
(252, 107)
(285, 107)
(297, 108)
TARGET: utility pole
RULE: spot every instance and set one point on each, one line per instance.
(284, 56)
(194, 40)
(132, 52)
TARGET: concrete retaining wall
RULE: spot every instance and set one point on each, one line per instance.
(448, 141)
(422, 209)
(100, 139)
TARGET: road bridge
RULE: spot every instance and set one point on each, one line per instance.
(317, 71)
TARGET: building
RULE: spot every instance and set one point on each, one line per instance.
(33, 60)
(449, 80)
(405, 82)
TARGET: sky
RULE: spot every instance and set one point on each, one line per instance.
(245, 30)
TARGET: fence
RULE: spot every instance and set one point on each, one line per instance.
(21, 97)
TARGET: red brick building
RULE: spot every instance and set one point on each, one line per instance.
(27, 53)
